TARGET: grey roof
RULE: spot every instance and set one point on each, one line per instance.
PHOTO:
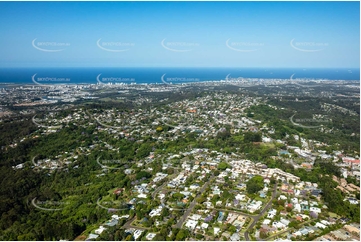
(235, 237)
(92, 236)
(112, 223)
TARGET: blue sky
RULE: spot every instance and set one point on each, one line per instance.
(180, 34)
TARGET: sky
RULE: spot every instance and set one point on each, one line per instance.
(180, 34)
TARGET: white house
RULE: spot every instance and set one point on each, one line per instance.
(313, 203)
(297, 192)
(325, 222)
(266, 139)
(271, 213)
(315, 209)
(92, 236)
(285, 221)
(278, 225)
(161, 196)
(304, 202)
(191, 224)
(297, 207)
(321, 226)
(235, 237)
(240, 197)
(137, 233)
(156, 212)
(150, 236)
(266, 221)
(254, 206)
(204, 226)
(100, 230)
(194, 186)
(294, 200)
(196, 217)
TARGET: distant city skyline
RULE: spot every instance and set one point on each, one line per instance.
(180, 34)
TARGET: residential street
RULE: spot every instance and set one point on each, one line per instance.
(193, 203)
(256, 218)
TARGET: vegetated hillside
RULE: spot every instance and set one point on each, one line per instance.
(77, 187)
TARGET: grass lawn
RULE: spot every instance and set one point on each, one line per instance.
(138, 223)
(264, 200)
(268, 145)
(333, 215)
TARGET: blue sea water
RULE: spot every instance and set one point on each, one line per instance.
(161, 75)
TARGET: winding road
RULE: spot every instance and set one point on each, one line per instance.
(192, 204)
(256, 217)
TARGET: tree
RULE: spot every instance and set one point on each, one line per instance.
(232, 229)
(178, 196)
(263, 234)
(199, 236)
(159, 237)
(223, 166)
(293, 224)
(254, 184)
(252, 137)
(129, 238)
(182, 234)
(117, 236)
(142, 174)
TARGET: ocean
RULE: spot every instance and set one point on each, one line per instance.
(163, 75)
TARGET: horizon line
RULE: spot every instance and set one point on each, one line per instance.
(261, 67)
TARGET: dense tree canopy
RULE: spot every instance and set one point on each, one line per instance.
(254, 184)
(223, 166)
